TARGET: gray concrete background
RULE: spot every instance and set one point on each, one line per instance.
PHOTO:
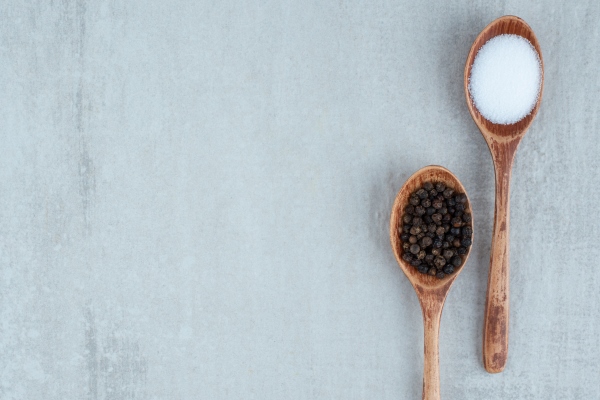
(194, 200)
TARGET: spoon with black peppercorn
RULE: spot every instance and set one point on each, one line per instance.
(431, 290)
(502, 140)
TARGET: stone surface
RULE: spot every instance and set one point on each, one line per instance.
(195, 200)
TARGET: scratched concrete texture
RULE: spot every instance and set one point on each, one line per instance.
(195, 196)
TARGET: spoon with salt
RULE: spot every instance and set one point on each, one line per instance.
(431, 291)
(503, 130)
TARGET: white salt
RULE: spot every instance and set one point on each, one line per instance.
(505, 79)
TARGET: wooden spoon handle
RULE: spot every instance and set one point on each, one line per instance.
(495, 332)
(432, 314)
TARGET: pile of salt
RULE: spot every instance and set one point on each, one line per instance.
(505, 79)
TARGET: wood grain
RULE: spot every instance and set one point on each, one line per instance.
(502, 141)
(430, 290)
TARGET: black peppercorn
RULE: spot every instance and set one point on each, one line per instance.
(466, 242)
(459, 207)
(449, 238)
(431, 227)
(462, 251)
(426, 242)
(440, 275)
(437, 204)
(417, 221)
(448, 193)
(428, 186)
(456, 261)
(447, 254)
(467, 231)
(437, 243)
(436, 218)
(404, 237)
(423, 268)
(405, 246)
(412, 240)
(420, 236)
(415, 230)
(414, 200)
(419, 210)
(439, 262)
(460, 198)
(431, 211)
(421, 255)
(407, 219)
(415, 248)
(430, 235)
(406, 228)
(432, 271)
(410, 209)
(466, 217)
(446, 218)
(433, 193)
(440, 187)
(446, 227)
(448, 269)
(426, 203)
(445, 245)
(440, 231)
(436, 251)
(443, 211)
(429, 258)
(455, 231)
(421, 193)
(456, 222)
(451, 202)
(415, 262)
(407, 257)
(427, 219)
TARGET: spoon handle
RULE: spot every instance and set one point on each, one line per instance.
(495, 332)
(432, 313)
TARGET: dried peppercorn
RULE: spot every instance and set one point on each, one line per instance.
(414, 200)
(426, 203)
(421, 193)
(404, 237)
(428, 186)
(426, 242)
(419, 210)
(440, 186)
(456, 222)
(467, 231)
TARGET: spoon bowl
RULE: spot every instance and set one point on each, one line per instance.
(502, 141)
(431, 291)
(509, 24)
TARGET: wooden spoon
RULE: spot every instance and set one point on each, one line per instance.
(502, 141)
(431, 291)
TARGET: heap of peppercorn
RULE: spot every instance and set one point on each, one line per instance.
(435, 230)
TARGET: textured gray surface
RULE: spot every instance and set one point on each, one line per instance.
(195, 200)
